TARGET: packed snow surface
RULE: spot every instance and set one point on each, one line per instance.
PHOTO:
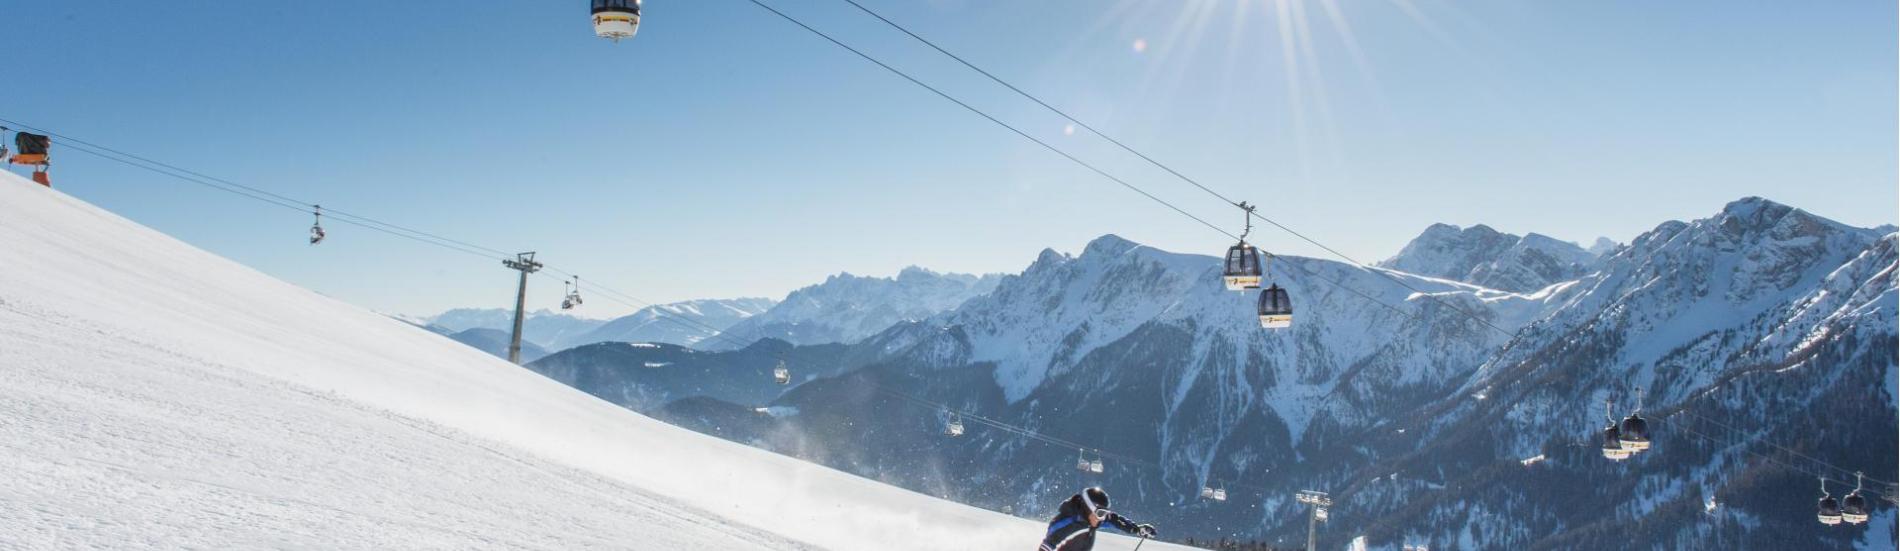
(160, 396)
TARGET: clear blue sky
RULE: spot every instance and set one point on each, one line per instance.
(724, 152)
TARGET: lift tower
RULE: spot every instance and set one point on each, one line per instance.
(1319, 501)
(524, 263)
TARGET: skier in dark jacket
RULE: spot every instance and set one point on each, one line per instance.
(1073, 529)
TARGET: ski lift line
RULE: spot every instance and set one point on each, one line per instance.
(1790, 451)
(1113, 178)
(278, 196)
(1777, 461)
(1044, 104)
(1118, 143)
(267, 200)
(1742, 448)
(242, 192)
(283, 201)
(999, 122)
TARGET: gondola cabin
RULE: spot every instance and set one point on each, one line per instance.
(616, 19)
(1854, 509)
(1829, 510)
(1242, 270)
(1635, 434)
(1276, 308)
(1613, 444)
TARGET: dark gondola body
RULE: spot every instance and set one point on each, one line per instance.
(1275, 308)
(1635, 434)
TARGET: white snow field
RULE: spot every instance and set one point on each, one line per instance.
(153, 395)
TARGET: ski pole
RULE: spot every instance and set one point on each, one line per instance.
(1144, 539)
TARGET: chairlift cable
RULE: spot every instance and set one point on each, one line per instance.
(254, 190)
(1118, 143)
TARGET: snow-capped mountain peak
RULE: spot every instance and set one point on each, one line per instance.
(1487, 257)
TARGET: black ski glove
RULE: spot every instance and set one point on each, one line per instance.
(1146, 530)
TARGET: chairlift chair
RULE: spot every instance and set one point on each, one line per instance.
(573, 297)
(616, 19)
(32, 150)
(316, 228)
(1081, 461)
(781, 374)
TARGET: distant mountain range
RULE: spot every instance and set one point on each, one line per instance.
(545, 328)
(842, 309)
(682, 323)
(1458, 408)
(847, 308)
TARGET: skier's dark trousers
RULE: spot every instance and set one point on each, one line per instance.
(1073, 529)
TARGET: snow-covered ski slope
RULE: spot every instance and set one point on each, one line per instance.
(153, 395)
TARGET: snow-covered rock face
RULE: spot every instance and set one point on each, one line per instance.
(847, 308)
(1486, 257)
(1760, 317)
(1046, 322)
(1143, 350)
(1602, 246)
